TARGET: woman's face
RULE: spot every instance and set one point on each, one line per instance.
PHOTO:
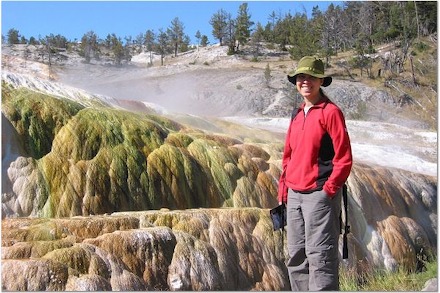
(308, 86)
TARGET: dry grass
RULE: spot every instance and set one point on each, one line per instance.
(379, 280)
(416, 97)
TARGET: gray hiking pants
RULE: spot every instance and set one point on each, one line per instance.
(312, 241)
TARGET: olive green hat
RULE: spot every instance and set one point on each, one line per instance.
(311, 66)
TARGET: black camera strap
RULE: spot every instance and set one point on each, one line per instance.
(346, 227)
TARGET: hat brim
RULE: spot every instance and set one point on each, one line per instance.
(327, 79)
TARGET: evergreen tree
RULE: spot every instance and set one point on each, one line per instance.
(256, 39)
(175, 34)
(140, 39)
(163, 45)
(108, 41)
(89, 46)
(359, 25)
(302, 39)
(117, 50)
(272, 19)
(230, 35)
(13, 37)
(149, 43)
(322, 28)
(198, 37)
(270, 26)
(58, 41)
(33, 41)
(47, 49)
(219, 23)
(128, 40)
(204, 42)
(184, 45)
(243, 25)
(281, 31)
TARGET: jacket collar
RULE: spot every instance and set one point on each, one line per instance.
(321, 103)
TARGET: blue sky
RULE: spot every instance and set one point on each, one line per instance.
(72, 19)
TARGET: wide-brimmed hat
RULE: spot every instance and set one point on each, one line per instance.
(311, 66)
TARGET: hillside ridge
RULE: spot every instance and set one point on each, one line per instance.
(209, 82)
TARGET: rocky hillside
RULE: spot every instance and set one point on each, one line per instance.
(208, 82)
(139, 178)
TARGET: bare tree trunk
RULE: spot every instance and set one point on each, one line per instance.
(412, 70)
(50, 56)
(417, 19)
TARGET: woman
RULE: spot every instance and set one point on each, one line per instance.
(316, 163)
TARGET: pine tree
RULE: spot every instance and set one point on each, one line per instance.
(184, 45)
(302, 38)
(149, 43)
(219, 23)
(198, 37)
(255, 43)
(163, 45)
(89, 46)
(204, 42)
(118, 50)
(243, 25)
(269, 29)
(230, 35)
(281, 31)
(175, 34)
(13, 36)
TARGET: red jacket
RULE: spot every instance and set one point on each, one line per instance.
(317, 152)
